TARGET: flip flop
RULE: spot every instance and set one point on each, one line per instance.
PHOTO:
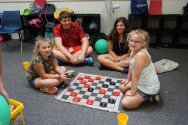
(69, 73)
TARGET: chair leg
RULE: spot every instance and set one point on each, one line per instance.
(22, 116)
(6, 43)
(20, 34)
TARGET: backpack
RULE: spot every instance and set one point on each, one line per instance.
(37, 7)
(96, 37)
(165, 65)
(48, 9)
(139, 7)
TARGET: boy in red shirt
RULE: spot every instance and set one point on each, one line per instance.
(72, 45)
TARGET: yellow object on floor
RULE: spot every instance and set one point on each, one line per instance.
(25, 65)
(17, 111)
(122, 119)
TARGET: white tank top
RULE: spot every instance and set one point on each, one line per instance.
(148, 82)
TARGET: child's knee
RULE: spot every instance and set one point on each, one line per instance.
(90, 50)
(63, 68)
(126, 104)
(99, 58)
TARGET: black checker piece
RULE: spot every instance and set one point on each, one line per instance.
(103, 104)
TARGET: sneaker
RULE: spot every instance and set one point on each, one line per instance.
(125, 70)
(69, 73)
(155, 99)
(101, 67)
(51, 90)
(59, 62)
(88, 61)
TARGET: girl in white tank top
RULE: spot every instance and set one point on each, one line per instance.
(142, 81)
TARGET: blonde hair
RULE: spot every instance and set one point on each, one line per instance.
(142, 34)
(38, 41)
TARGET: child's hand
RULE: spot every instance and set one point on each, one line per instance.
(81, 58)
(117, 59)
(126, 81)
(64, 78)
(74, 60)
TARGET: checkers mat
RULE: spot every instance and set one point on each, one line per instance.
(94, 91)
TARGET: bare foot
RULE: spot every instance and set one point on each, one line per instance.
(51, 90)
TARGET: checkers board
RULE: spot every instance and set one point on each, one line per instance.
(94, 91)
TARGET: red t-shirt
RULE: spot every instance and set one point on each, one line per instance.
(70, 37)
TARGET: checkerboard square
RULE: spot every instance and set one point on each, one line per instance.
(79, 88)
(82, 92)
(98, 88)
(98, 99)
(70, 90)
(94, 94)
(116, 87)
(119, 81)
(65, 97)
(110, 89)
(85, 97)
(76, 84)
(101, 82)
(106, 96)
(94, 84)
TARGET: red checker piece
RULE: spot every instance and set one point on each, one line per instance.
(76, 99)
(86, 86)
(86, 76)
(98, 78)
(91, 80)
(83, 82)
(116, 93)
(102, 91)
(89, 102)
(74, 94)
(79, 78)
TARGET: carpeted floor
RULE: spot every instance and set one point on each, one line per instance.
(43, 109)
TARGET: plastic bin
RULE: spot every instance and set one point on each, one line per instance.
(17, 111)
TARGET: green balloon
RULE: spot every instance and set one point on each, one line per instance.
(4, 111)
(101, 46)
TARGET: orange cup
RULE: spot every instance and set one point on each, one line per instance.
(122, 119)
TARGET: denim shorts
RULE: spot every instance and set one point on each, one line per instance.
(144, 95)
(32, 83)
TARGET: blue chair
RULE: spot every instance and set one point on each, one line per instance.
(11, 23)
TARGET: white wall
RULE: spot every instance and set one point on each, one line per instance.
(98, 7)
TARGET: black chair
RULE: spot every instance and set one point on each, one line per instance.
(11, 23)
